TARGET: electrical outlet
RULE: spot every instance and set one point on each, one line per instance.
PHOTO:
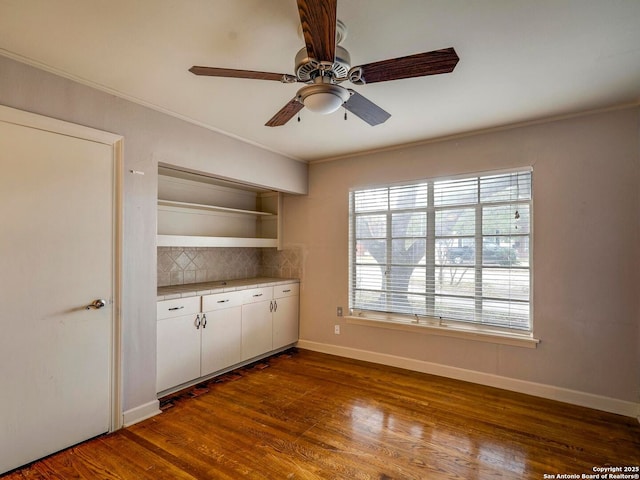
(336, 329)
(339, 310)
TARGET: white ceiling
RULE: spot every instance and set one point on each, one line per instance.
(520, 60)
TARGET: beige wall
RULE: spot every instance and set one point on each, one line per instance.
(587, 259)
(586, 174)
(149, 137)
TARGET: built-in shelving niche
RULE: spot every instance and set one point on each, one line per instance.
(196, 210)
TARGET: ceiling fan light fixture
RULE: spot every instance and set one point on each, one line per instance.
(323, 98)
(323, 103)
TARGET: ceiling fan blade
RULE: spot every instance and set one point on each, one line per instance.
(418, 65)
(285, 114)
(365, 109)
(318, 20)
(229, 72)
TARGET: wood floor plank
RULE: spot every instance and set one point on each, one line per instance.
(310, 416)
(108, 458)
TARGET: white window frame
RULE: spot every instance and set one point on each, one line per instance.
(429, 323)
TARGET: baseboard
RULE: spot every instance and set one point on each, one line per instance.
(141, 412)
(598, 402)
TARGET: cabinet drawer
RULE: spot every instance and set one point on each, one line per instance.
(257, 294)
(178, 307)
(288, 290)
(218, 301)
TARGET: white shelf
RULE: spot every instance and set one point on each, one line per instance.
(190, 213)
(203, 241)
(212, 208)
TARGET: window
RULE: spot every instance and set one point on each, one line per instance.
(454, 249)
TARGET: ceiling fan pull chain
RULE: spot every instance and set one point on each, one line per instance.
(298, 117)
(345, 114)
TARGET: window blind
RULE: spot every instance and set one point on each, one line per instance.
(451, 249)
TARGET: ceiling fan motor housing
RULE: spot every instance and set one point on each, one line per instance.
(307, 68)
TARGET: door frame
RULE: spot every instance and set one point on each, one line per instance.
(53, 125)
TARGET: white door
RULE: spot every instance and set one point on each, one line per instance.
(256, 329)
(56, 257)
(178, 350)
(285, 321)
(221, 340)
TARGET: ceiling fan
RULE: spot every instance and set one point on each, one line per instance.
(323, 65)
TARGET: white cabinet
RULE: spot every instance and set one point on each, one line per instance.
(178, 342)
(269, 319)
(201, 335)
(257, 323)
(200, 211)
(221, 337)
(285, 314)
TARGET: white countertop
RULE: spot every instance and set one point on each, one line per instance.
(206, 288)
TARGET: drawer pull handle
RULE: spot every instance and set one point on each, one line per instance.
(223, 301)
(286, 291)
(204, 320)
(198, 322)
(176, 308)
(258, 295)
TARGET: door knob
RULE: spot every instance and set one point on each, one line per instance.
(96, 304)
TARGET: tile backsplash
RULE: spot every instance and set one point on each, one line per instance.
(178, 265)
(285, 263)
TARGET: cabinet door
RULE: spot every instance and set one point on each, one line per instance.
(177, 307)
(178, 354)
(221, 339)
(256, 329)
(285, 321)
(222, 301)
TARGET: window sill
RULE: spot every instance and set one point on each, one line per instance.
(468, 332)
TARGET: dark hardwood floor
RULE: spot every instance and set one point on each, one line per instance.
(306, 415)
